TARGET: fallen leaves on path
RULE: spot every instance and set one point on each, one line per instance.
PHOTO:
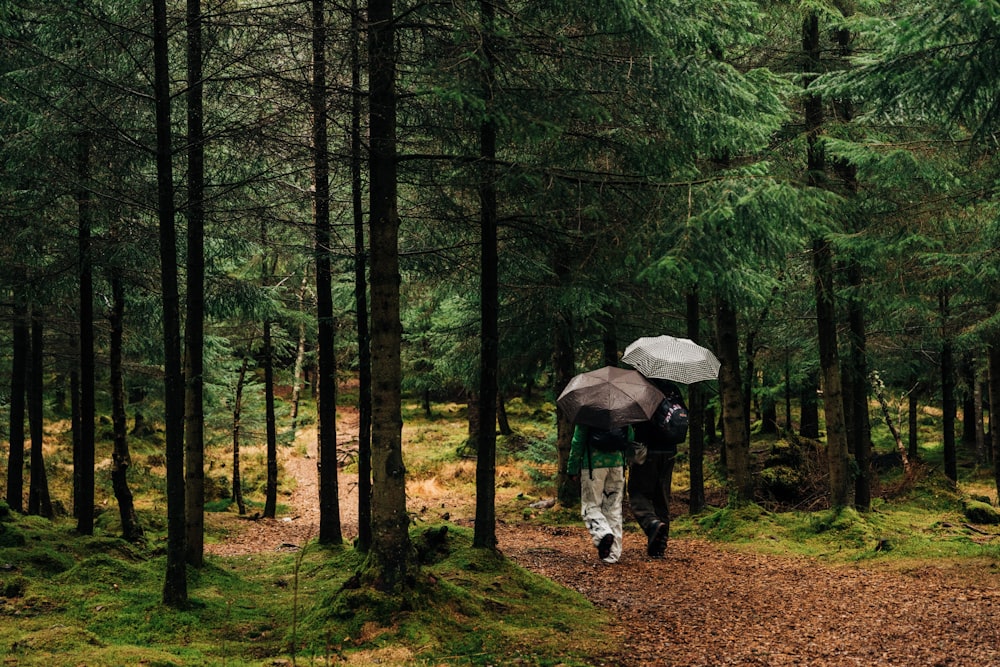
(703, 605)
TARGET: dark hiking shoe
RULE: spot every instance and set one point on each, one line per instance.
(604, 547)
(657, 544)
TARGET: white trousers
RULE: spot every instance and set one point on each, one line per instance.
(601, 497)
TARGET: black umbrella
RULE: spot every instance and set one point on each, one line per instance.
(609, 397)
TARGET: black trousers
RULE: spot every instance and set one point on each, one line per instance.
(649, 489)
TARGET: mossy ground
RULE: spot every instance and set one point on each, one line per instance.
(95, 600)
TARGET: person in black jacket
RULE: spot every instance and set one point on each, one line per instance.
(649, 480)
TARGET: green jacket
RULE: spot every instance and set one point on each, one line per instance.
(581, 456)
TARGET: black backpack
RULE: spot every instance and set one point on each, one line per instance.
(671, 420)
(604, 440)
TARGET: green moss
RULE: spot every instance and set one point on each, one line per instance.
(979, 512)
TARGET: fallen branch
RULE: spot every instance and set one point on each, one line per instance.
(879, 388)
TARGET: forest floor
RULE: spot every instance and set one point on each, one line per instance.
(705, 604)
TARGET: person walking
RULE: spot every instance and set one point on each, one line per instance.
(600, 469)
(649, 480)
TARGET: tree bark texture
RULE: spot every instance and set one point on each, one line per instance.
(484, 536)
(20, 349)
(735, 436)
(361, 296)
(696, 409)
(271, 487)
(237, 430)
(85, 474)
(121, 460)
(39, 500)
(194, 409)
(993, 360)
(175, 580)
(392, 563)
(329, 502)
(948, 400)
(833, 405)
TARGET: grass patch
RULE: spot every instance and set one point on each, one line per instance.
(68, 599)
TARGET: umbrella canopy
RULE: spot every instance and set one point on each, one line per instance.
(676, 359)
(609, 397)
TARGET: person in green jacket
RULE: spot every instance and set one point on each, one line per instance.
(601, 473)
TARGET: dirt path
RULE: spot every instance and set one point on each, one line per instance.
(706, 606)
(289, 531)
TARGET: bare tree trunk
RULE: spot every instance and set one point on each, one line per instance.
(194, 412)
(39, 501)
(271, 489)
(993, 359)
(361, 298)
(564, 366)
(85, 512)
(76, 422)
(237, 430)
(329, 502)
(484, 536)
(737, 440)
(20, 349)
(300, 355)
(391, 560)
(503, 423)
(977, 397)
(121, 460)
(175, 580)
(949, 404)
(809, 407)
(696, 408)
(833, 405)
(912, 424)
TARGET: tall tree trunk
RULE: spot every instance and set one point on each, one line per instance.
(860, 422)
(361, 297)
(175, 580)
(270, 421)
(391, 559)
(329, 502)
(503, 422)
(237, 430)
(696, 408)
(39, 501)
(121, 460)
(300, 355)
(271, 489)
(20, 349)
(949, 403)
(912, 423)
(856, 382)
(833, 406)
(809, 407)
(967, 368)
(76, 423)
(194, 411)
(981, 454)
(737, 440)
(484, 536)
(993, 361)
(85, 512)
(564, 366)
(748, 379)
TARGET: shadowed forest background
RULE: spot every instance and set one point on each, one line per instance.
(226, 222)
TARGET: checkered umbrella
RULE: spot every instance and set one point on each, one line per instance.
(609, 397)
(677, 359)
